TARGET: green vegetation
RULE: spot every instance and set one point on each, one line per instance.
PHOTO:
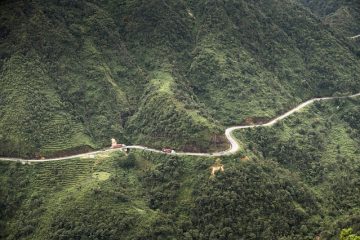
(296, 180)
(175, 73)
(321, 145)
(162, 118)
(346, 234)
(162, 73)
(342, 15)
(159, 198)
(102, 176)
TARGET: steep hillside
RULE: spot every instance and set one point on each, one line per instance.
(34, 116)
(186, 127)
(254, 59)
(63, 55)
(160, 73)
(343, 15)
(296, 180)
(321, 145)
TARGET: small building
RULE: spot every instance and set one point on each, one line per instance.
(114, 144)
(168, 150)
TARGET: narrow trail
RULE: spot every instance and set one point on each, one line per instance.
(234, 145)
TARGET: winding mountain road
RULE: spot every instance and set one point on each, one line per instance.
(234, 145)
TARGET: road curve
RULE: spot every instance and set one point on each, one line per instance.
(234, 145)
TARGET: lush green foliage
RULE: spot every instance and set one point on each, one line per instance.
(155, 199)
(322, 145)
(76, 73)
(296, 180)
(254, 201)
(346, 234)
(343, 15)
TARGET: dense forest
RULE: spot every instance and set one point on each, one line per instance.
(296, 180)
(75, 73)
(175, 74)
(342, 15)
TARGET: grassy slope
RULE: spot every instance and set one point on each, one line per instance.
(34, 113)
(296, 180)
(74, 75)
(159, 198)
(241, 72)
(96, 202)
(321, 144)
(342, 15)
(164, 120)
(97, 60)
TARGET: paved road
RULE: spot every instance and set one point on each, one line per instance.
(357, 36)
(234, 145)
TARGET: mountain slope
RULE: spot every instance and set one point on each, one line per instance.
(342, 15)
(257, 58)
(321, 144)
(296, 180)
(33, 113)
(228, 62)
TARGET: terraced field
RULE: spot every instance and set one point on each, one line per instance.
(62, 173)
(73, 138)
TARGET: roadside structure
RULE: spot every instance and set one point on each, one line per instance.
(114, 144)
